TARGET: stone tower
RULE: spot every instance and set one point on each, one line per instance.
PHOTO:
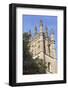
(42, 41)
(52, 46)
(46, 41)
(35, 30)
(41, 26)
(43, 46)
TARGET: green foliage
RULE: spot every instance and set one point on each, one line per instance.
(30, 65)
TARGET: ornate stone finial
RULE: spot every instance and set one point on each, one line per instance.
(41, 23)
(35, 29)
(46, 33)
(52, 35)
(41, 26)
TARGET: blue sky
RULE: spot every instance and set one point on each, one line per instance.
(50, 21)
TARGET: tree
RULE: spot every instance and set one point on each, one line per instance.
(30, 65)
(42, 66)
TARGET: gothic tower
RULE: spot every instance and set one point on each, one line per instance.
(52, 46)
(35, 30)
(46, 42)
(42, 46)
(41, 26)
(42, 42)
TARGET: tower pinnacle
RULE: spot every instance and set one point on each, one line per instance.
(41, 23)
(52, 36)
(30, 35)
(41, 26)
(46, 32)
(35, 30)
